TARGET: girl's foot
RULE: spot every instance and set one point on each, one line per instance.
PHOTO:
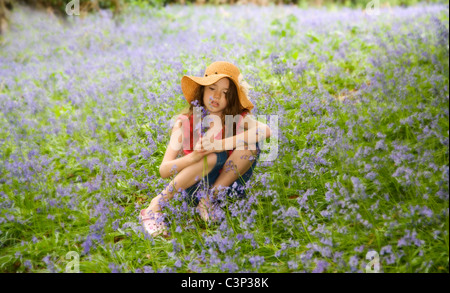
(153, 223)
(207, 211)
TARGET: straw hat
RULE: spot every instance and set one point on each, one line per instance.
(213, 73)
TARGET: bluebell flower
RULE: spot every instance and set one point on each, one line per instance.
(114, 268)
(292, 265)
(148, 269)
(256, 261)
(321, 266)
(178, 263)
(28, 264)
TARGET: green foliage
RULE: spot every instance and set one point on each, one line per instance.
(91, 5)
(59, 6)
(390, 88)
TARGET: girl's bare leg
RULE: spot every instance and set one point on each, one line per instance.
(184, 179)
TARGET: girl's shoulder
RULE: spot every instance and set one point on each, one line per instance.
(184, 118)
(182, 122)
(245, 112)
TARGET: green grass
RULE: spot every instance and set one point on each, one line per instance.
(83, 184)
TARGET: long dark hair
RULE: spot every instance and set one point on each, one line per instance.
(233, 108)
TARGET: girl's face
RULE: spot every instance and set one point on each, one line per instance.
(214, 96)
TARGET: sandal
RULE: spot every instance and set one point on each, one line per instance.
(153, 223)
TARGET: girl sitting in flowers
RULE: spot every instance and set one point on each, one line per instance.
(224, 159)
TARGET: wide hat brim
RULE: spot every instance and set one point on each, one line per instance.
(189, 85)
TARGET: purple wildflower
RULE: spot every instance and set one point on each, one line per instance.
(321, 266)
(256, 261)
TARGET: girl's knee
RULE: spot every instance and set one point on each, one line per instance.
(247, 154)
(211, 159)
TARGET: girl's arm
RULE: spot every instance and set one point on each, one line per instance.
(170, 164)
(255, 131)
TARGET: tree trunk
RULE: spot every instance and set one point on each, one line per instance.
(318, 3)
(4, 17)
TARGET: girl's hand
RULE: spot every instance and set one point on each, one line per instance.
(204, 144)
(197, 155)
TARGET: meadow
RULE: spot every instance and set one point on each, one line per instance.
(363, 139)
